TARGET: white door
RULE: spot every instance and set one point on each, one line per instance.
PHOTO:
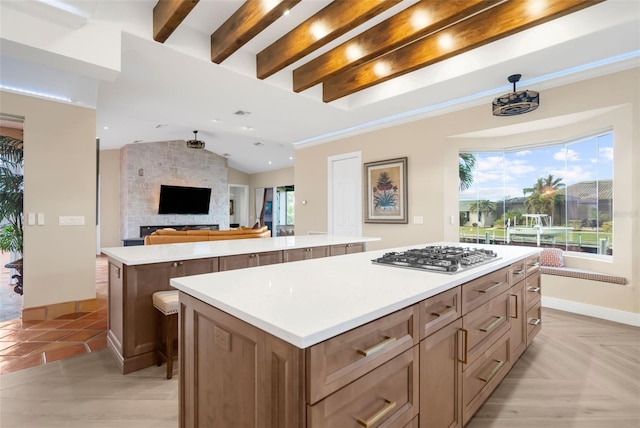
(345, 194)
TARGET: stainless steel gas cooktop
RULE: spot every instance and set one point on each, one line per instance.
(435, 258)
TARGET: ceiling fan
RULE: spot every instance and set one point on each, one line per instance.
(195, 143)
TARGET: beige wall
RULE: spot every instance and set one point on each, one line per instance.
(110, 198)
(238, 177)
(279, 177)
(432, 146)
(60, 180)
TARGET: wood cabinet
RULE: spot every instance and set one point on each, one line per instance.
(350, 248)
(441, 378)
(233, 374)
(306, 253)
(242, 261)
(338, 361)
(517, 317)
(132, 333)
(132, 328)
(386, 396)
(429, 365)
(479, 291)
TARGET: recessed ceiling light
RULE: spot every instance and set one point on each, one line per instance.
(246, 128)
(290, 157)
(106, 127)
(286, 12)
(269, 162)
(214, 120)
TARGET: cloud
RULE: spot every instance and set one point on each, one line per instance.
(566, 155)
(606, 153)
(524, 153)
(572, 174)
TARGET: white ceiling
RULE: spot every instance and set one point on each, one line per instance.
(165, 91)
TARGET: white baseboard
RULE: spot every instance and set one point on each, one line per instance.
(615, 315)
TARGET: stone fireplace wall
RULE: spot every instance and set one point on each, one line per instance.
(144, 167)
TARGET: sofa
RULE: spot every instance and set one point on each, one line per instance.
(172, 236)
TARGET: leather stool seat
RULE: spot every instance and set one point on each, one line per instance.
(166, 302)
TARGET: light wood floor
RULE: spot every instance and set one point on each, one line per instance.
(578, 373)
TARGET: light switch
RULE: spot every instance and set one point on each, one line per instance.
(452, 220)
(31, 219)
(40, 219)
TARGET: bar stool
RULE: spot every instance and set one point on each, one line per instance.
(166, 302)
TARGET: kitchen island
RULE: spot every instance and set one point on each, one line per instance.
(136, 272)
(342, 342)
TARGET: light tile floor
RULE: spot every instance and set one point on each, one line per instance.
(26, 344)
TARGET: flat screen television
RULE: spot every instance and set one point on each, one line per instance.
(184, 200)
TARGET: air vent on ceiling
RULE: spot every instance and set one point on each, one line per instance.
(242, 113)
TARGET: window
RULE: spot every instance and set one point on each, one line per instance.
(558, 195)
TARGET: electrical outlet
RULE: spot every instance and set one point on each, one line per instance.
(71, 220)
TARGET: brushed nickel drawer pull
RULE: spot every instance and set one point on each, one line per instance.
(519, 272)
(533, 289)
(535, 321)
(516, 300)
(493, 371)
(376, 348)
(388, 406)
(466, 345)
(534, 264)
(486, 290)
(491, 326)
(448, 311)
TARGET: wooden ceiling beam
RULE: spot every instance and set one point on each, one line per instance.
(247, 22)
(167, 15)
(336, 19)
(411, 24)
(493, 24)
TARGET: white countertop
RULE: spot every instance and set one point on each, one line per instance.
(310, 301)
(143, 254)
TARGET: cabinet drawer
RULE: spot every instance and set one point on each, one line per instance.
(243, 261)
(533, 290)
(340, 360)
(484, 375)
(483, 289)
(385, 397)
(415, 423)
(534, 322)
(342, 249)
(305, 253)
(438, 311)
(533, 264)
(517, 271)
(484, 325)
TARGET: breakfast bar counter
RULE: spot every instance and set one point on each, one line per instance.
(136, 272)
(318, 343)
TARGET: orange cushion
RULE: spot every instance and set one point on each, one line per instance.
(552, 257)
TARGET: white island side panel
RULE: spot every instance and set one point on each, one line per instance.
(307, 302)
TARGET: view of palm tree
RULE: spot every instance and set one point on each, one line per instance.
(568, 186)
(543, 196)
(466, 163)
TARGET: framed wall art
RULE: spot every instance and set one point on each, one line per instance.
(386, 191)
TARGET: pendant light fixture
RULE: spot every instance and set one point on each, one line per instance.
(195, 143)
(516, 102)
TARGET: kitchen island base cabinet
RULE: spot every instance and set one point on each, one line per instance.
(132, 334)
(235, 375)
(441, 378)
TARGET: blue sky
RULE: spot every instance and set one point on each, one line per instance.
(500, 175)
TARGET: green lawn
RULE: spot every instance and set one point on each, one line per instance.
(573, 237)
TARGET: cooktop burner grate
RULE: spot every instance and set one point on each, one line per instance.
(436, 258)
